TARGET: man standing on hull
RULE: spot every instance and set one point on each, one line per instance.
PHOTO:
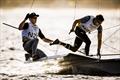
(30, 33)
(81, 27)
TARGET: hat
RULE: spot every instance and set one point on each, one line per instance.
(100, 17)
(33, 14)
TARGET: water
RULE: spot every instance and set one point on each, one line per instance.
(54, 23)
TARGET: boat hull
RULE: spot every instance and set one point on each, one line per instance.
(77, 64)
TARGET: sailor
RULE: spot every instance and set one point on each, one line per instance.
(30, 33)
(81, 27)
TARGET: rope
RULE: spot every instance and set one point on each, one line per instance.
(108, 37)
(73, 19)
(111, 47)
(111, 35)
(108, 28)
(75, 9)
(112, 27)
(31, 5)
(98, 8)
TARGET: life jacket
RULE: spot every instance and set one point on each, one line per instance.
(88, 26)
(31, 32)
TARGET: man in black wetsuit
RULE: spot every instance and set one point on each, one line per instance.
(81, 27)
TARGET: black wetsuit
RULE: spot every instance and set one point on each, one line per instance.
(81, 37)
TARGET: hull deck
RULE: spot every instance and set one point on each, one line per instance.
(77, 64)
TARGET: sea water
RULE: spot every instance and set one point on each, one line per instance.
(54, 23)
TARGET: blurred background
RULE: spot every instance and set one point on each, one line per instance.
(60, 3)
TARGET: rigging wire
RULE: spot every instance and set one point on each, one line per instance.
(112, 27)
(99, 3)
(118, 29)
(98, 7)
(96, 31)
(73, 19)
(111, 35)
(111, 47)
(31, 5)
(75, 9)
(41, 44)
(115, 26)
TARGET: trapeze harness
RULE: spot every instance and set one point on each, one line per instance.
(88, 26)
(30, 33)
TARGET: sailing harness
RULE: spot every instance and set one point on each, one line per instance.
(88, 25)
